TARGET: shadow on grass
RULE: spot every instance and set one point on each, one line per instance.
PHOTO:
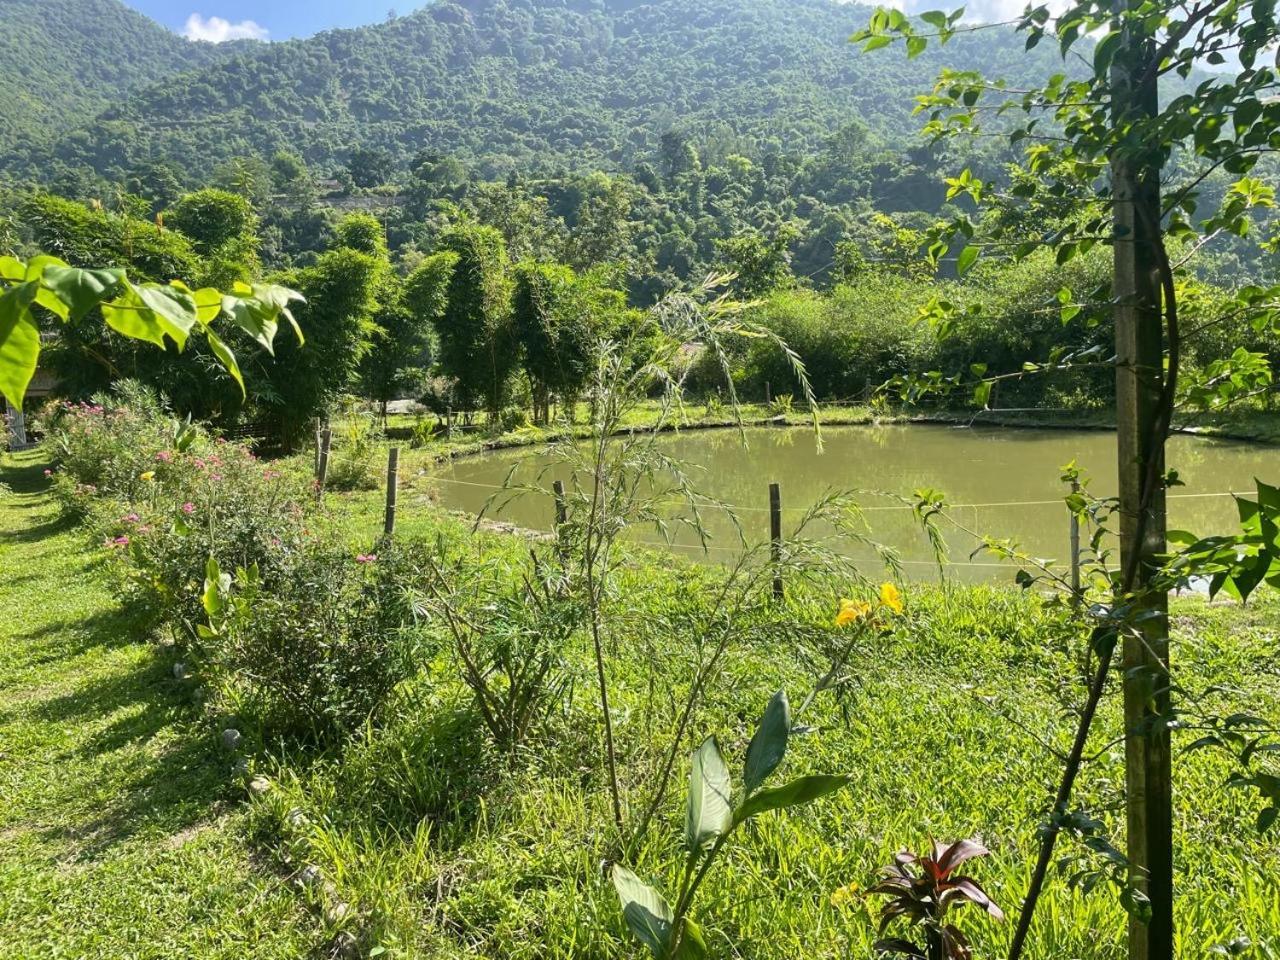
(24, 477)
(61, 639)
(166, 773)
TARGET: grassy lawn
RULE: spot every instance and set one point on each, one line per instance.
(122, 834)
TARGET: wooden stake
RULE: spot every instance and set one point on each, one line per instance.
(393, 479)
(562, 515)
(322, 471)
(1075, 550)
(775, 538)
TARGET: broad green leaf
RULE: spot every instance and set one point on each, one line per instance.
(709, 813)
(12, 269)
(647, 913)
(968, 257)
(128, 315)
(81, 290)
(47, 298)
(769, 745)
(278, 298)
(208, 305)
(798, 791)
(254, 317)
(225, 357)
(173, 307)
(982, 393)
(692, 946)
(19, 341)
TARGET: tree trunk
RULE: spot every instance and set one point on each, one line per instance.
(1135, 176)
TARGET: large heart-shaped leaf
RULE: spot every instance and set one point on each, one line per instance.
(173, 307)
(709, 813)
(278, 298)
(646, 911)
(769, 745)
(19, 341)
(798, 791)
(128, 315)
(254, 317)
(80, 290)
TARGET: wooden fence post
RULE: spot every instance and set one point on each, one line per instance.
(768, 393)
(775, 538)
(322, 470)
(1075, 550)
(393, 479)
(562, 516)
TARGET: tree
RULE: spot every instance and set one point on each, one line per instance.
(370, 168)
(341, 289)
(554, 320)
(478, 347)
(1110, 143)
(223, 229)
(363, 232)
(761, 263)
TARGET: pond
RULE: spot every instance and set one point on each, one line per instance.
(1003, 482)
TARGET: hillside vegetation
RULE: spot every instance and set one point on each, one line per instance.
(530, 85)
(62, 62)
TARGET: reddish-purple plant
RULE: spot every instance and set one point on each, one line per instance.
(923, 889)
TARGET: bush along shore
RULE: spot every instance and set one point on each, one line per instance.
(462, 743)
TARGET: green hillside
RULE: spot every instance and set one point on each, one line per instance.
(62, 62)
(533, 85)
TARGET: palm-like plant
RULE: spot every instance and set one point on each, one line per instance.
(923, 889)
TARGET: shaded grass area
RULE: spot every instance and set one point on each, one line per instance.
(121, 833)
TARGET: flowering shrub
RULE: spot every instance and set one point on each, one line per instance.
(165, 497)
(106, 446)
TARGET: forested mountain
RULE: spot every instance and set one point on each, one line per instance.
(62, 62)
(533, 86)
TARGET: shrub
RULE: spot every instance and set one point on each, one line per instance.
(351, 460)
(215, 500)
(321, 649)
(166, 497)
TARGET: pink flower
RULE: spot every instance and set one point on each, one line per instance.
(215, 477)
(144, 529)
(366, 557)
(48, 473)
(188, 508)
(130, 518)
(164, 456)
(120, 542)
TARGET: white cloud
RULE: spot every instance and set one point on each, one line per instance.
(220, 30)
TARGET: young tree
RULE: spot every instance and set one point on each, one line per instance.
(223, 228)
(553, 316)
(761, 263)
(1105, 139)
(478, 347)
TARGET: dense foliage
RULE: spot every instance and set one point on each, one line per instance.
(62, 62)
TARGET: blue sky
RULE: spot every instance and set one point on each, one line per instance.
(264, 19)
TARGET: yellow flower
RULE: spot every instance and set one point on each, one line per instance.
(851, 611)
(891, 597)
(148, 475)
(843, 895)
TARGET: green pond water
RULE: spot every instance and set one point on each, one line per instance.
(1003, 483)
